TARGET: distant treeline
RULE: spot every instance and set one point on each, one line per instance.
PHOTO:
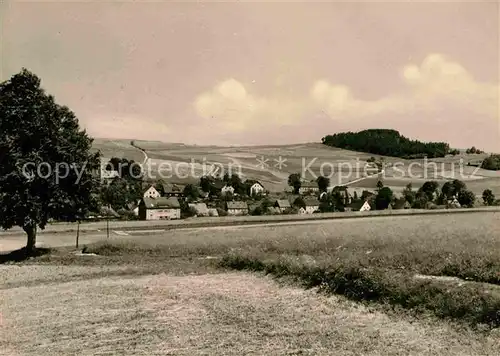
(387, 143)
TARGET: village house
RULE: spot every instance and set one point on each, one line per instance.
(360, 205)
(308, 187)
(401, 203)
(200, 208)
(227, 189)
(311, 205)
(274, 210)
(256, 189)
(282, 205)
(151, 192)
(108, 176)
(173, 190)
(237, 208)
(159, 208)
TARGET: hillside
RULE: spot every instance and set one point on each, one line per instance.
(180, 162)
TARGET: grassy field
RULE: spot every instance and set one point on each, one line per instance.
(216, 314)
(423, 286)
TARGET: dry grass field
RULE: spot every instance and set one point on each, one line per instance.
(223, 314)
(169, 295)
(217, 314)
(347, 165)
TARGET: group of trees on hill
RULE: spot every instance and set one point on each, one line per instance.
(386, 142)
(473, 150)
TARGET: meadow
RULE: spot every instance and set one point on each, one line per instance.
(426, 285)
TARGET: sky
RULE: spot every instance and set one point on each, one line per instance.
(234, 73)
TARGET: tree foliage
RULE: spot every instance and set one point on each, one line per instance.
(491, 163)
(295, 182)
(35, 130)
(488, 197)
(323, 183)
(383, 198)
(409, 194)
(430, 189)
(453, 188)
(191, 192)
(387, 143)
(466, 198)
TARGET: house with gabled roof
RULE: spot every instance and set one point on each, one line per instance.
(308, 187)
(237, 208)
(359, 205)
(151, 192)
(312, 205)
(173, 190)
(400, 204)
(257, 188)
(159, 208)
(227, 189)
(282, 205)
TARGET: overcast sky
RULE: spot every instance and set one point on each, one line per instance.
(257, 72)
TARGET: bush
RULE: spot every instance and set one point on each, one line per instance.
(491, 163)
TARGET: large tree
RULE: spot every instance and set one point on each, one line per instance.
(46, 168)
(323, 183)
(383, 198)
(295, 182)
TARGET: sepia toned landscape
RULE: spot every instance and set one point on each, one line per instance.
(249, 178)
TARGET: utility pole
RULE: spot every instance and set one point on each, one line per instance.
(77, 233)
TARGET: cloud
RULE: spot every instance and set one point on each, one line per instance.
(436, 83)
(231, 106)
(437, 80)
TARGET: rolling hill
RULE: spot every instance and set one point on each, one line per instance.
(271, 164)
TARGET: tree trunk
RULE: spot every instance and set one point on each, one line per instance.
(31, 232)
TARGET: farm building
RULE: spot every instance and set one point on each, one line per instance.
(256, 189)
(200, 208)
(237, 208)
(173, 190)
(151, 192)
(308, 187)
(282, 204)
(159, 208)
